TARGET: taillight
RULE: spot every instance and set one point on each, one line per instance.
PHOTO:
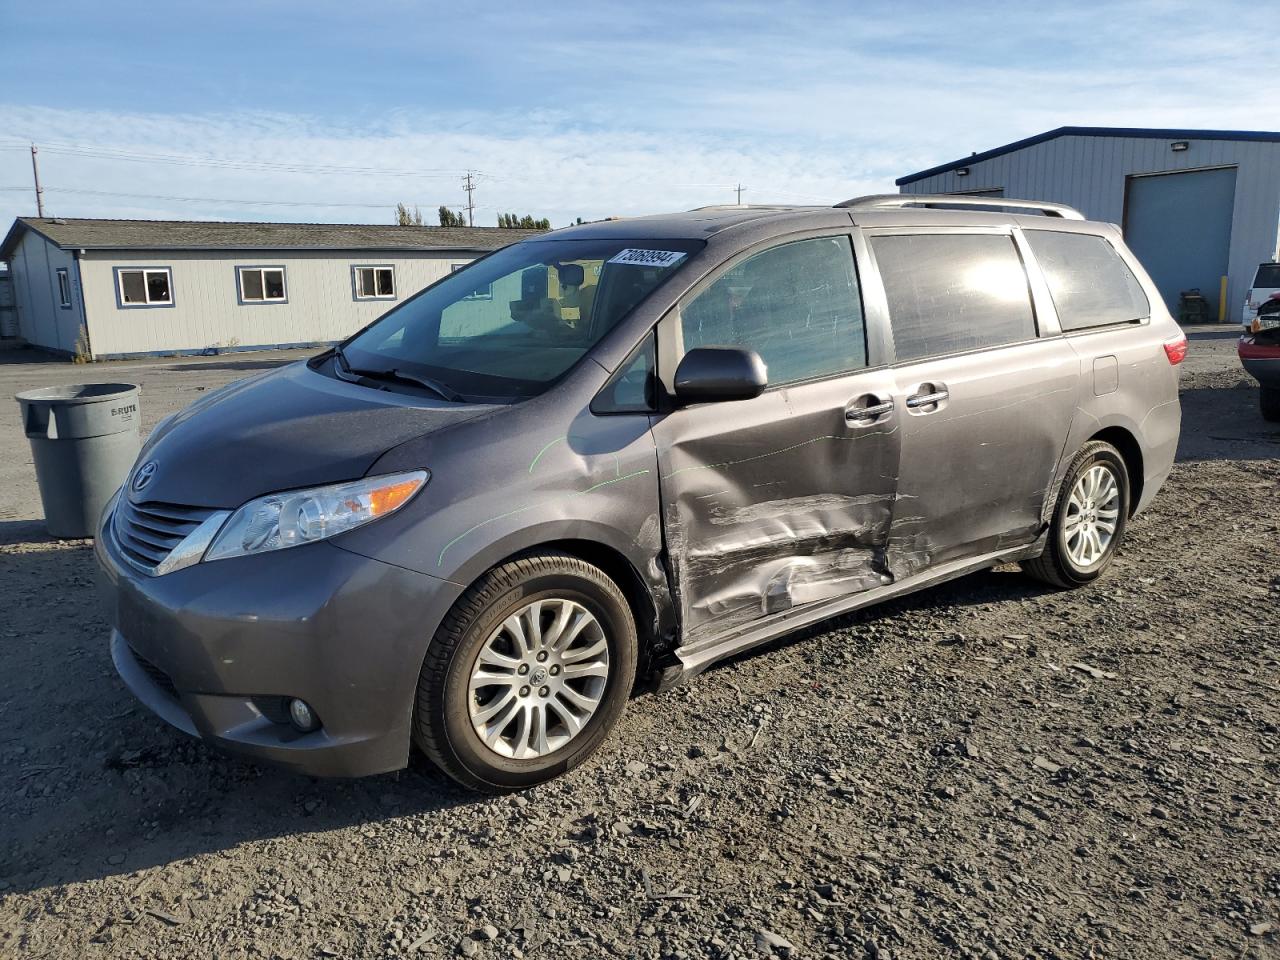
(1176, 350)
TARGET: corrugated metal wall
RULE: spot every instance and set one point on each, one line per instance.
(207, 313)
(1089, 172)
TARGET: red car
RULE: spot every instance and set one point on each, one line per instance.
(1260, 353)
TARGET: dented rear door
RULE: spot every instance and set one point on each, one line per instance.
(785, 499)
(986, 390)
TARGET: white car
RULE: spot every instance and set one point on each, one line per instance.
(1266, 284)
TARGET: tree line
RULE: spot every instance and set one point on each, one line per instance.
(406, 217)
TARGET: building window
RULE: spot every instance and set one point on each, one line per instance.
(482, 293)
(144, 287)
(64, 289)
(375, 283)
(262, 285)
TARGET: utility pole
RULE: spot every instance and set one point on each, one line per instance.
(35, 172)
(740, 189)
(471, 204)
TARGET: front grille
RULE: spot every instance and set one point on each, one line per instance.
(148, 532)
(158, 676)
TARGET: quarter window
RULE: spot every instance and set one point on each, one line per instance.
(375, 283)
(797, 305)
(262, 285)
(64, 287)
(1090, 284)
(949, 293)
(146, 287)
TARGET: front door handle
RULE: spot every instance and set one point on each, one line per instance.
(875, 409)
(936, 396)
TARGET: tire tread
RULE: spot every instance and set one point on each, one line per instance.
(1048, 567)
(1269, 403)
(428, 725)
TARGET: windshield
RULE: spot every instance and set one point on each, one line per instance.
(507, 326)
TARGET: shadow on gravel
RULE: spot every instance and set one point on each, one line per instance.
(1229, 332)
(93, 785)
(17, 355)
(24, 531)
(1224, 423)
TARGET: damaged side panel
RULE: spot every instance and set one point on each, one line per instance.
(979, 466)
(775, 502)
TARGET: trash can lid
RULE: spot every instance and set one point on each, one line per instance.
(75, 393)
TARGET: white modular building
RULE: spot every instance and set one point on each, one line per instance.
(106, 289)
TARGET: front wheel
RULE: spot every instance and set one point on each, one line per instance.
(1088, 521)
(528, 673)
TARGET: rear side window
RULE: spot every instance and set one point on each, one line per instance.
(797, 305)
(1090, 284)
(949, 293)
(1268, 276)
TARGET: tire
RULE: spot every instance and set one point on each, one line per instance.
(1269, 402)
(480, 622)
(1061, 564)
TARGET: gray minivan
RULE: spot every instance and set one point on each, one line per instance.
(633, 448)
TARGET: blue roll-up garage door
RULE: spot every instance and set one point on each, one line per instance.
(1179, 226)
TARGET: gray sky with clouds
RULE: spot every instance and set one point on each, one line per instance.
(334, 112)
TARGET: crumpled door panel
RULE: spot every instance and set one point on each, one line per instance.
(774, 502)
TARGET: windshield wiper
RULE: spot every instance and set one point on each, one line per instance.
(443, 390)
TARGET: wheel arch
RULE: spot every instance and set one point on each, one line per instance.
(650, 604)
(1131, 453)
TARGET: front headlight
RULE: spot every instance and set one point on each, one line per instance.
(290, 519)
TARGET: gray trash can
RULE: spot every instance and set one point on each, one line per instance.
(84, 438)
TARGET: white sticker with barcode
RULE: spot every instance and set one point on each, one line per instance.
(648, 258)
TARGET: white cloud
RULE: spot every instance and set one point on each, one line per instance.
(638, 112)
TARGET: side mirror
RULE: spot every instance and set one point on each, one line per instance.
(708, 374)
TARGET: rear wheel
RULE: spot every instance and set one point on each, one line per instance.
(1088, 521)
(1269, 401)
(527, 674)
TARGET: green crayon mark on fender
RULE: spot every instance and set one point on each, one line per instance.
(532, 506)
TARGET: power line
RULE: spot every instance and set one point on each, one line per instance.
(253, 203)
(229, 163)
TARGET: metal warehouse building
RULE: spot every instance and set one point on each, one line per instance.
(125, 288)
(1196, 206)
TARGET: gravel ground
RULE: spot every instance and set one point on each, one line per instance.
(986, 769)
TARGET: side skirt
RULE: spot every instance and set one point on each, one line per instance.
(693, 659)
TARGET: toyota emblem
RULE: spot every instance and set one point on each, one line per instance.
(144, 474)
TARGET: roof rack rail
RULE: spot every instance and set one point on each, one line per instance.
(896, 201)
(743, 206)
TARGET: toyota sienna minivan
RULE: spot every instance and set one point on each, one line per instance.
(633, 448)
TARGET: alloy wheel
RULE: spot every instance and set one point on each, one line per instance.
(1093, 513)
(538, 679)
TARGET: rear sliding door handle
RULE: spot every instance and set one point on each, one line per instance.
(926, 399)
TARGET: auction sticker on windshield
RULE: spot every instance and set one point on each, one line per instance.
(648, 258)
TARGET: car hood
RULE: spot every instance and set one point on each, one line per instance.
(289, 428)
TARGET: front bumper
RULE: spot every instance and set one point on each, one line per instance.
(216, 650)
